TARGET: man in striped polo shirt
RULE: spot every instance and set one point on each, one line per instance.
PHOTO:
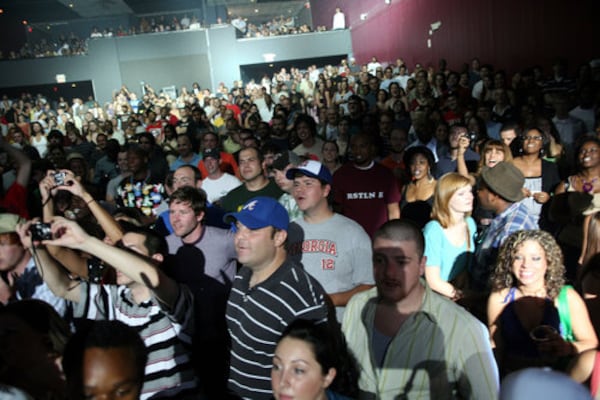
(158, 308)
(269, 292)
(409, 341)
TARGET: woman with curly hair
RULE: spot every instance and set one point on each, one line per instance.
(528, 290)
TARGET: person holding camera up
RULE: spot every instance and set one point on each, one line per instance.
(457, 152)
(19, 279)
(159, 309)
(83, 208)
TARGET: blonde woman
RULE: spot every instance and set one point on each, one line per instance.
(449, 236)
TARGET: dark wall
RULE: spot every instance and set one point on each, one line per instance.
(12, 34)
(207, 56)
(510, 33)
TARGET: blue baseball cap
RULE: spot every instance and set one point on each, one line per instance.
(312, 169)
(260, 212)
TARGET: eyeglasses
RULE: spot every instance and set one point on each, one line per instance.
(538, 138)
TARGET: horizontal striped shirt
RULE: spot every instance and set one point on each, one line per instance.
(439, 352)
(257, 316)
(166, 333)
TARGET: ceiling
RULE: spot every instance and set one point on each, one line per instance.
(47, 11)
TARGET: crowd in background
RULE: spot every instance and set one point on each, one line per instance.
(74, 44)
(500, 172)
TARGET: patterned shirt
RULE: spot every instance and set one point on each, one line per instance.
(147, 194)
(515, 218)
(30, 285)
(289, 203)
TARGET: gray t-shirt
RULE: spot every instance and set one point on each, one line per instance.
(336, 252)
(218, 258)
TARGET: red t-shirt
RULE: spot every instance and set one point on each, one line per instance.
(15, 200)
(364, 194)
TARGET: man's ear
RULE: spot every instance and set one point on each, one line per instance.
(280, 237)
(422, 265)
(158, 257)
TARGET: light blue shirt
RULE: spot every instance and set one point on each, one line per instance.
(440, 252)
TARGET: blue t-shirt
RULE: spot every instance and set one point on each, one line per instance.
(440, 252)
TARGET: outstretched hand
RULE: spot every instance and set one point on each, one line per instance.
(67, 233)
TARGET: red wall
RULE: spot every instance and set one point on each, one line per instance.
(510, 34)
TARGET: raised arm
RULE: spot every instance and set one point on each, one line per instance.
(55, 276)
(23, 162)
(109, 225)
(68, 258)
(461, 164)
(141, 270)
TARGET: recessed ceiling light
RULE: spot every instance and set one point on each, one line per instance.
(256, 10)
(71, 5)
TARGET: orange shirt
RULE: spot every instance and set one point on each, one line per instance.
(228, 164)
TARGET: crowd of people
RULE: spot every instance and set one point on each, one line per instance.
(350, 231)
(73, 44)
(275, 27)
(63, 45)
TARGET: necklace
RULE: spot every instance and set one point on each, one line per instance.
(588, 186)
